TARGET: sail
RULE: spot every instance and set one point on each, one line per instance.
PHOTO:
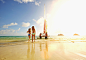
(44, 25)
(45, 22)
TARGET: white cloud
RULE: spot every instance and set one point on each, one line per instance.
(18, 29)
(34, 20)
(11, 32)
(37, 3)
(6, 26)
(40, 21)
(18, 1)
(25, 24)
(7, 31)
(2, 1)
(24, 1)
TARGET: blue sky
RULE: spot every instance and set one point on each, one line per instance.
(63, 16)
(20, 13)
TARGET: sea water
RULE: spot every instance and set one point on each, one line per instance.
(15, 37)
(51, 37)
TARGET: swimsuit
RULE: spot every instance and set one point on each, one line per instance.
(28, 34)
(33, 33)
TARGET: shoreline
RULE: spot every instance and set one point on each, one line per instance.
(20, 40)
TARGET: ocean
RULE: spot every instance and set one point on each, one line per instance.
(51, 37)
(15, 37)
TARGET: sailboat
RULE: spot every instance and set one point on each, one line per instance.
(44, 34)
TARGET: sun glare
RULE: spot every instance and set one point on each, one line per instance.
(69, 17)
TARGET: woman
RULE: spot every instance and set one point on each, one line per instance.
(29, 33)
(33, 33)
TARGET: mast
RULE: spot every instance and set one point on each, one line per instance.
(44, 21)
(44, 11)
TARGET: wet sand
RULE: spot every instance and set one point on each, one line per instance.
(43, 50)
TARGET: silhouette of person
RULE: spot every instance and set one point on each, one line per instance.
(40, 35)
(46, 35)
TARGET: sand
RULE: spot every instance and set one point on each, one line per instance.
(43, 50)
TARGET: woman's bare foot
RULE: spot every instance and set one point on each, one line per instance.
(28, 40)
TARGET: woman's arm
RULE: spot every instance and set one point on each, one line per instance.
(35, 32)
(27, 31)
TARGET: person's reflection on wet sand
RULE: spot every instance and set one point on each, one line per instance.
(40, 46)
(46, 51)
(28, 51)
(33, 52)
(46, 47)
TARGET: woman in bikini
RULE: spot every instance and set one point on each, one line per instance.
(29, 33)
(33, 33)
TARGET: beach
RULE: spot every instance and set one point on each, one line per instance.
(43, 49)
(58, 27)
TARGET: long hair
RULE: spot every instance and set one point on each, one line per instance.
(29, 30)
(33, 28)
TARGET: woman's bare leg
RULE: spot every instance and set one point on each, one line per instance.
(32, 38)
(28, 37)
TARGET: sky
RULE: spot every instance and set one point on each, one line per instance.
(62, 16)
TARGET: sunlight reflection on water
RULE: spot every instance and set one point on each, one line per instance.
(69, 38)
